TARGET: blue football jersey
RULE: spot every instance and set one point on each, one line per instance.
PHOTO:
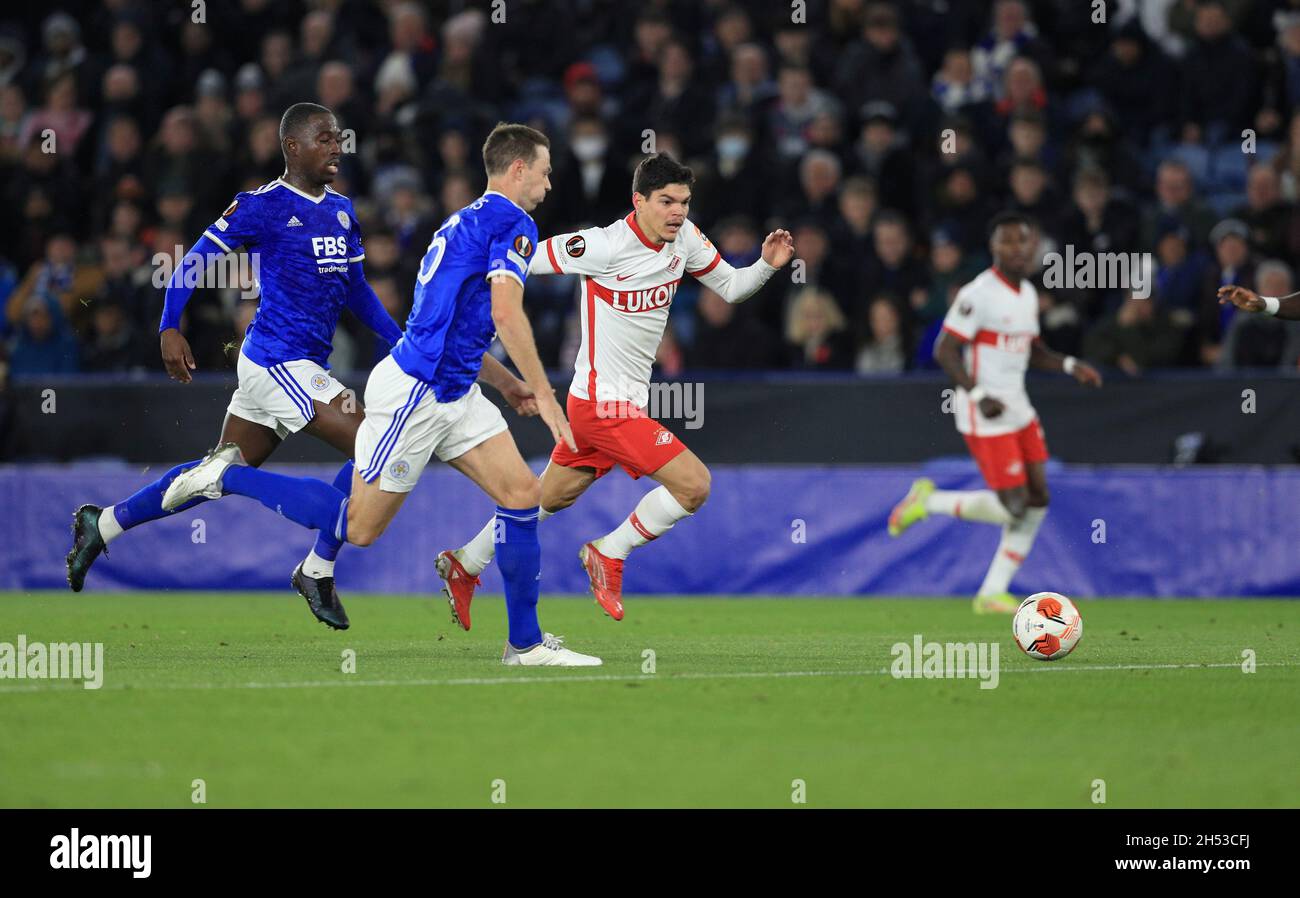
(307, 248)
(450, 326)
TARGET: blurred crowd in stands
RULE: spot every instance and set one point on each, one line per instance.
(884, 135)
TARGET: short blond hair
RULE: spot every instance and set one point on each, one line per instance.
(804, 301)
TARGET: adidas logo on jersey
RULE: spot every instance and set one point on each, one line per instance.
(293, 223)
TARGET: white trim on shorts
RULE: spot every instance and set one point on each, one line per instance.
(406, 425)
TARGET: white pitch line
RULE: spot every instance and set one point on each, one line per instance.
(66, 686)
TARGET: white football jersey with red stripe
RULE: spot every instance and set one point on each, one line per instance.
(998, 324)
(628, 284)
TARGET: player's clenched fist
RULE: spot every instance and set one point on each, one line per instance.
(176, 355)
(778, 248)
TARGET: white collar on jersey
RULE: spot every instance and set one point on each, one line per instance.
(504, 197)
(307, 196)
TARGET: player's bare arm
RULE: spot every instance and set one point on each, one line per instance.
(516, 336)
(516, 392)
(736, 285)
(1285, 307)
(1045, 359)
(947, 352)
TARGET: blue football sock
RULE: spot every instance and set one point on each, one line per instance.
(520, 557)
(327, 546)
(146, 503)
(312, 503)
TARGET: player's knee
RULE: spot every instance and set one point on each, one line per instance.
(525, 494)
(1016, 503)
(361, 532)
(363, 535)
(1039, 498)
(694, 491)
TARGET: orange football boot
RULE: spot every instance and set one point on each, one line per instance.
(606, 575)
(458, 585)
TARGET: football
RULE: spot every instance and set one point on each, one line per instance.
(1047, 626)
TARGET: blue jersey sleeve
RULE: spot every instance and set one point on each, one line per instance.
(512, 247)
(240, 225)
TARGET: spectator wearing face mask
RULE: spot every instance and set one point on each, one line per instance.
(733, 178)
(588, 188)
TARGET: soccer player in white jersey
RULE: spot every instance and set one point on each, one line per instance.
(630, 271)
(989, 338)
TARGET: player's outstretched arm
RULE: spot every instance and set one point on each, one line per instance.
(736, 285)
(516, 392)
(177, 357)
(369, 309)
(1047, 360)
(517, 337)
(1287, 307)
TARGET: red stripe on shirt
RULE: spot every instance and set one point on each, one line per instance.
(717, 257)
(550, 254)
(991, 338)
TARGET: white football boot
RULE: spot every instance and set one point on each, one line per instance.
(204, 479)
(550, 652)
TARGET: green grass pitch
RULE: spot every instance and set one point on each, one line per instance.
(246, 692)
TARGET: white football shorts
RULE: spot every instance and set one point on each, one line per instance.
(281, 397)
(405, 425)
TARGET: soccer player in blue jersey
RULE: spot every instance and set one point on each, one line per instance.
(422, 400)
(309, 259)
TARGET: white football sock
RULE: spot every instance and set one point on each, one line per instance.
(109, 528)
(316, 567)
(1017, 540)
(654, 516)
(477, 553)
(972, 505)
